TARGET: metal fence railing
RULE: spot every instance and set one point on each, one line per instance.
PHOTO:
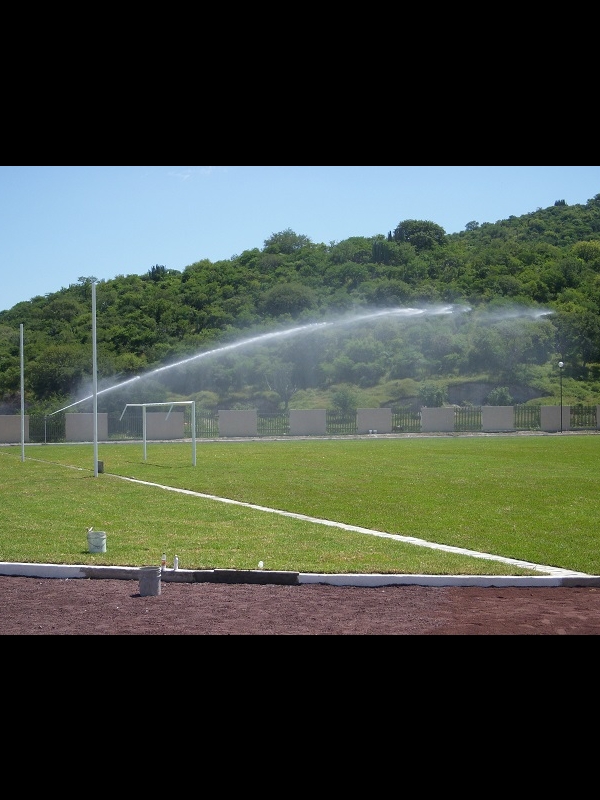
(467, 418)
(406, 420)
(44, 429)
(340, 423)
(207, 425)
(528, 418)
(273, 424)
(583, 417)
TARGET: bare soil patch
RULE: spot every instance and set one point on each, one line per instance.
(92, 607)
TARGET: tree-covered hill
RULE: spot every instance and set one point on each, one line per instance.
(525, 294)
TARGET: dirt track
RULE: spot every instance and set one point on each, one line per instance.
(89, 607)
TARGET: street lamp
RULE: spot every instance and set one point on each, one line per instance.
(561, 366)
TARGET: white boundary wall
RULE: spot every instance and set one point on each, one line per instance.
(238, 423)
(497, 418)
(374, 419)
(550, 419)
(312, 422)
(10, 428)
(80, 427)
(160, 426)
(437, 420)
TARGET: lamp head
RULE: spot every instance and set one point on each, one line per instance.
(561, 364)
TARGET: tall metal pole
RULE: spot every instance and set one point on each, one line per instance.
(22, 398)
(561, 365)
(95, 379)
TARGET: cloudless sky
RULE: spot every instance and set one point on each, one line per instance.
(58, 224)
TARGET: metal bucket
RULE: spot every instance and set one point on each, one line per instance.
(96, 541)
(149, 581)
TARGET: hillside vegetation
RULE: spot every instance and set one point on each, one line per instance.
(412, 317)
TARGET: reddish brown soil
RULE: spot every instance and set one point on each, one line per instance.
(91, 607)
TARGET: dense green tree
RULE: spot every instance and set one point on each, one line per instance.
(499, 397)
(421, 234)
(286, 242)
(433, 396)
(345, 400)
(287, 299)
(589, 252)
(357, 249)
(61, 369)
(280, 380)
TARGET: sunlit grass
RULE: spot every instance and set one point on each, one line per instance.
(530, 498)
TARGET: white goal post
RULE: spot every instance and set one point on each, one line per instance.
(144, 406)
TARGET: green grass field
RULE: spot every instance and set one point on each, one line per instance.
(530, 498)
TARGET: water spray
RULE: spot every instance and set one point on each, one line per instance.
(90, 396)
(408, 313)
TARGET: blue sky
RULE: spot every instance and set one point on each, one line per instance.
(58, 224)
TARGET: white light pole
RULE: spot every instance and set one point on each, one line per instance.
(95, 379)
(22, 397)
(561, 366)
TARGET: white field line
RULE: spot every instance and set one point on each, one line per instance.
(555, 571)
